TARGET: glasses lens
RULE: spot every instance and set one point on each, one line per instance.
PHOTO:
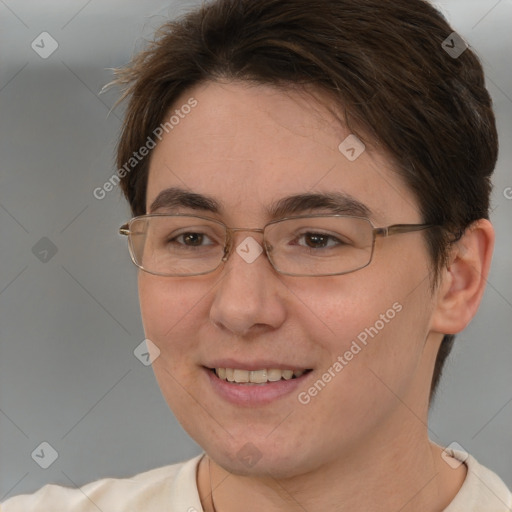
(316, 246)
(303, 246)
(176, 245)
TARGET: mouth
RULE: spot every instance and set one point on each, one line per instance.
(256, 383)
(257, 377)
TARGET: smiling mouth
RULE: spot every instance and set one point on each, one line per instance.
(264, 376)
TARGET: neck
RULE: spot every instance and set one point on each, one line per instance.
(383, 477)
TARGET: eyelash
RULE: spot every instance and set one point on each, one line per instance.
(307, 233)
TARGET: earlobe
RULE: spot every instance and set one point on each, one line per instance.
(464, 278)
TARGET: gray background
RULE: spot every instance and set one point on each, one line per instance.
(69, 326)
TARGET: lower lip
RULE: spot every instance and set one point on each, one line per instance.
(254, 394)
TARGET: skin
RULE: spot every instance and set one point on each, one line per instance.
(367, 429)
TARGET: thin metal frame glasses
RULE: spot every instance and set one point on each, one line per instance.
(355, 242)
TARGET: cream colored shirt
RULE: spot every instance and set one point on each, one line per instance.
(174, 489)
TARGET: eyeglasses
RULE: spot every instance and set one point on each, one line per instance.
(313, 245)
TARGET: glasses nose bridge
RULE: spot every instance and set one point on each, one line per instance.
(229, 239)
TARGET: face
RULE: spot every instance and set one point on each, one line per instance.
(364, 338)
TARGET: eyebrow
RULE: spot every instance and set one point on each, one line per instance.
(333, 202)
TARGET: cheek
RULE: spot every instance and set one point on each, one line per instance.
(337, 312)
(170, 313)
(366, 332)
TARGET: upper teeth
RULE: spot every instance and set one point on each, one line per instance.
(256, 376)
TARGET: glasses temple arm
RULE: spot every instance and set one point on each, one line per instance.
(124, 230)
(402, 228)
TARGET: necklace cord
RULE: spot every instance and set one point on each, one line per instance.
(211, 486)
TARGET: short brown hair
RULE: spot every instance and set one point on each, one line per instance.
(381, 61)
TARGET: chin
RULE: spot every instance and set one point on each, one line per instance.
(260, 459)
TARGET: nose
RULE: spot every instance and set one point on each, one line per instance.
(249, 295)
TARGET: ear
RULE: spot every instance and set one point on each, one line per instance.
(463, 280)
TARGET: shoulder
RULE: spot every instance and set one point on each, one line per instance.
(152, 490)
(482, 489)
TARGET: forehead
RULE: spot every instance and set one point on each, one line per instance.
(249, 146)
